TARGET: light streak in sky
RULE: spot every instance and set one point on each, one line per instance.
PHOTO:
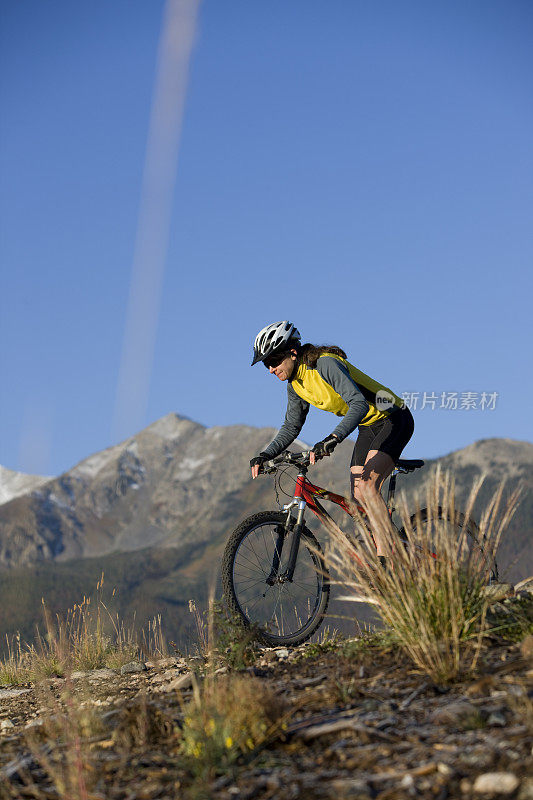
(151, 245)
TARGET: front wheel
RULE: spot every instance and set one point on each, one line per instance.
(255, 584)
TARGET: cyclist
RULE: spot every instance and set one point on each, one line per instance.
(323, 377)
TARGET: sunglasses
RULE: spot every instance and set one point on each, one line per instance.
(274, 361)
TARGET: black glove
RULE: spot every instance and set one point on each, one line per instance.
(259, 461)
(326, 446)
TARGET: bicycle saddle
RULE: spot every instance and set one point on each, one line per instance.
(407, 465)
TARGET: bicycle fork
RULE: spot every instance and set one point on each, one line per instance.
(283, 530)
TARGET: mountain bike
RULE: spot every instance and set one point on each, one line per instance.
(274, 574)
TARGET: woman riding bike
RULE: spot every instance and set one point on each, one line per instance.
(323, 377)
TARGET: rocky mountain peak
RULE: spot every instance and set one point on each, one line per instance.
(172, 426)
(171, 485)
(13, 483)
(506, 456)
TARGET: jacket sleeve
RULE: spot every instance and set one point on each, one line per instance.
(294, 419)
(338, 377)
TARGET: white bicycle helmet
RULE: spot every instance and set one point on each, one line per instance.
(274, 337)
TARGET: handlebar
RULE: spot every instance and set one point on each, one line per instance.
(298, 459)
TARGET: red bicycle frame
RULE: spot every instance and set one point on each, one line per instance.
(305, 490)
(307, 493)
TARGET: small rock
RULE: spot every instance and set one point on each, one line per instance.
(269, 657)
(273, 782)
(478, 759)
(182, 683)
(496, 783)
(93, 674)
(498, 591)
(5, 694)
(161, 677)
(167, 662)
(444, 769)
(314, 681)
(133, 666)
(526, 647)
(102, 674)
(221, 783)
(370, 704)
(407, 782)
(349, 788)
(516, 691)
(35, 723)
(525, 586)
(454, 713)
(496, 719)
(15, 769)
(6, 725)
(282, 653)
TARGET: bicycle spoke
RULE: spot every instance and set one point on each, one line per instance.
(252, 583)
(284, 608)
(252, 608)
(256, 567)
(256, 556)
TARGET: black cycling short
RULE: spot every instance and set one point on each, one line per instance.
(389, 436)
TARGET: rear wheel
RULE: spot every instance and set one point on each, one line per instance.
(470, 541)
(255, 586)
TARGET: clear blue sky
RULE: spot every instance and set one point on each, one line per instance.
(362, 168)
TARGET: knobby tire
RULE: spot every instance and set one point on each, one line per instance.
(239, 551)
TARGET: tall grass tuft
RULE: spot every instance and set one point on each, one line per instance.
(16, 666)
(88, 636)
(61, 745)
(432, 594)
(228, 717)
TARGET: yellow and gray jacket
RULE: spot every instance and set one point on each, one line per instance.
(333, 385)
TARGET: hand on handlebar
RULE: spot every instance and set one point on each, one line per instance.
(323, 448)
(257, 464)
(263, 464)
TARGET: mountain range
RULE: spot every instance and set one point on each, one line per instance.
(153, 513)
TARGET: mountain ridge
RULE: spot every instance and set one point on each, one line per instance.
(155, 511)
(155, 488)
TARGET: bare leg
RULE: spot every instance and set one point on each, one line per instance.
(368, 480)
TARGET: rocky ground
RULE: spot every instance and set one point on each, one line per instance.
(361, 722)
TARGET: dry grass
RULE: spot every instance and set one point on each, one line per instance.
(61, 745)
(228, 717)
(89, 636)
(142, 726)
(432, 597)
(16, 667)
